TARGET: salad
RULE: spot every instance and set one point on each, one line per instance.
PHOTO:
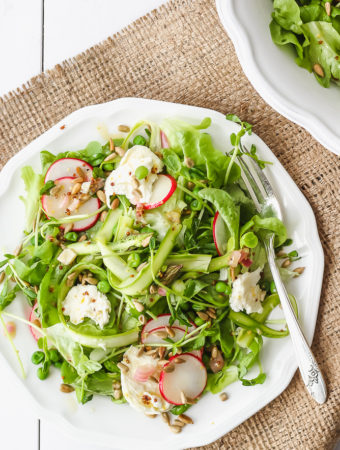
(143, 263)
(312, 27)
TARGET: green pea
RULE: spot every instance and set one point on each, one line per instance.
(196, 205)
(71, 236)
(185, 306)
(220, 286)
(228, 290)
(58, 364)
(139, 140)
(273, 288)
(53, 355)
(199, 321)
(187, 198)
(43, 372)
(133, 260)
(108, 167)
(103, 286)
(38, 357)
(141, 172)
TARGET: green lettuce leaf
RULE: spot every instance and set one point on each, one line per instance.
(33, 184)
(220, 380)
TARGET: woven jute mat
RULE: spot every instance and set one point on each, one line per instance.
(181, 53)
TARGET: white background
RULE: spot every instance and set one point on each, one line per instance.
(34, 36)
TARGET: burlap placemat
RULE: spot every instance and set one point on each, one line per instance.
(181, 53)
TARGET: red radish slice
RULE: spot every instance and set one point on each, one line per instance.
(142, 373)
(220, 234)
(188, 378)
(67, 167)
(162, 190)
(197, 353)
(33, 318)
(57, 206)
(164, 140)
(152, 338)
(163, 321)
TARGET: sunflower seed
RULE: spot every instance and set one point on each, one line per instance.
(78, 180)
(17, 251)
(142, 319)
(179, 360)
(154, 379)
(202, 315)
(116, 385)
(82, 238)
(286, 263)
(299, 270)
(115, 204)
(161, 334)
(138, 306)
(153, 289)
(80, 173)
(175, 429)
(223, 397)
(328, 8)
(76, 188)
(189, 162)
(123, 367)
(66, 388)
(211, 314)
(183, 398)
(318, 70)
(68, 227)
(179, 423)
(101, 196)
(170, 331)
(214, 352)
(140, 350)
(165, 417)
(161, 352)
(120, 151)
(170, 368)
(103, 216)
(186, 419)
(123, 128)
(112, 156)
(117, 394)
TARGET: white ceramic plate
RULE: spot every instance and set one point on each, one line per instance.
(292, 91)
(101, 422)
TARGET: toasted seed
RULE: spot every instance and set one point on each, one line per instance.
(160, 155)
(162, 362)
(328, 8)
(135, 183)
(137, 193)
(202, 315)
(17, 251)
(179, 423)
(101, 196)
(189, 162)
(161, 352)
(66, 388)
(179, 360)
(161, 334)
(120, 151)
(299, 270)
(84, 197)
(123, 367)
(103, 216)
(90, 280)
(165, 417)
(190, 185)
(140, 350)
(37, 323)
(123, 128)
(110, 157)
(281, 254)
(115, 204)
(68, 227)
(223, 397)
(78, 180)
(82, 238)
(191, 401)
(76, 188)
(286, 263)
(142, 319)
(179, 351)
(183, 397)
(318, 70)
(170, 331)
(151, 352)
(153, 289)
(117, 393)
(211, 314)
(170, 368)
(80, 172)
(214, 352)
(116, 385)
(175, 429)
(151, 416)
(138, 306)
(112, 145)
(152, 378)
(2, 276)
(184, 418)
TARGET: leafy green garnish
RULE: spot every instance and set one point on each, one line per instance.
(33, 184)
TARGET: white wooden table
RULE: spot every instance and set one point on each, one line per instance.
(34, 36)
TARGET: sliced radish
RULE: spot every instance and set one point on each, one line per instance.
(67, 167)
(197, 353)
(143, 373)
(163, 321)
(34, 319)
(63, 205)
(186, 382)
(162, 190)
(220, 234)
(164, 140)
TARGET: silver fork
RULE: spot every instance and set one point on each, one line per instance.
(267, 205)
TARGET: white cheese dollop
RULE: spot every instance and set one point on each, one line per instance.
(86, 301)
(246, 293)
(144, 396)
(122, 180)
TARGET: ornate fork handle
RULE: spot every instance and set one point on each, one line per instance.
(310, 372)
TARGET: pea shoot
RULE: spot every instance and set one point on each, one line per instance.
(71, 236)
(139, 140)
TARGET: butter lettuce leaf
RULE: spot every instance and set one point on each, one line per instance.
(33, 183)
